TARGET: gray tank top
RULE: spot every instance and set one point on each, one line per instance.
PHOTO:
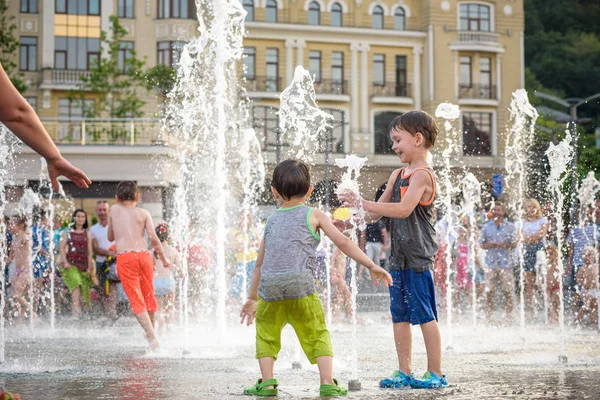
(290, 255)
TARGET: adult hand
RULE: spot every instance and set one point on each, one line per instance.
(61, 167)
(248, 311)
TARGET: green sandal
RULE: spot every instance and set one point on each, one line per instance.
(333, 390)
(260, 389)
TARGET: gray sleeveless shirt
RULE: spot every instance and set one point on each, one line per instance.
(290, 255)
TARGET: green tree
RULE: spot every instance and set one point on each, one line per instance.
(9, 46)
(161, 78)
(117, 86)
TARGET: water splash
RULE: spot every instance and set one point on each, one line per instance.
(29, 204)
(349, 183)
(449, 112)
(560, 157)
(518, 142)
(471, 198)
(300, 119)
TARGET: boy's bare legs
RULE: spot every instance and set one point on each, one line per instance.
(152, 316)
(433, 345)
(146, 323)
(403, 339)
(325, 364)
(76, 302)
(267, 365)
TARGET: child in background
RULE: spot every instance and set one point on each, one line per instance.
(283, 290)
(164, 280)
(341, 298)
(20, 254)
(587, 282)
(552, 283)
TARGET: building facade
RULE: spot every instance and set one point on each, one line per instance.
(371, 60)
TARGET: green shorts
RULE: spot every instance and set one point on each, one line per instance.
(306, 317)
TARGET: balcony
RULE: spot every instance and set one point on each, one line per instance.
(61, 79)
(331, 86)
(109, 131)
(477, 41)
(392, 93)
(477, 91)
(263, 86)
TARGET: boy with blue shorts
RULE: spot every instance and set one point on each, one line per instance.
(408, 202)
(282, 289)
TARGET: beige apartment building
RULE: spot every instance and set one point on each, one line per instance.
(371, 61)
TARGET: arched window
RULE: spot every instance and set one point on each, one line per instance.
(249, 7)
(314, 13)
(271, 11)
(475, 17)
(400, 19)
(337, 15)
(377, 17)
(383, 143)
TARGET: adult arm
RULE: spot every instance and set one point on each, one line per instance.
(97, 250)
(63, 248)
(19, 117)
(91, 264)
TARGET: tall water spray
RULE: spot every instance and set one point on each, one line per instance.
(46, 185)
(28, 205)
(560, 157)
(518, 142)
(448, 112)
(471, 197)
(7, 145)
(349, 183)
(208, 122)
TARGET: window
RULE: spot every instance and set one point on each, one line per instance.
(168, 53)
(176, 9)
(337, 15)
(314, 64)
(249, 7)
(250, 63)
(314, 13)
(265, 122)
(28, 54)
(336, 133)
(272, 70)
(475, 17)
(485, 77)
(125, 52)
(401, 84)
(379, 69)
(73, 109)
(477, 134)
(125, 9)
(271, 11)
(399, 19)
(337, 72)
(383, 143)
(465, 72)
(32, 100)
(75, 52)
(77, 7)
(29, 6)
(377, 17)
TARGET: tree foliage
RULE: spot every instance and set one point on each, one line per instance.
(9, 47)
(118, 89)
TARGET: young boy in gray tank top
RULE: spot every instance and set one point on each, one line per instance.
(282, 290)
(408, 202)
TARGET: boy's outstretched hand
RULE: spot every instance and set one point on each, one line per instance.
(351, 199)
(248, 312)
(379, 274)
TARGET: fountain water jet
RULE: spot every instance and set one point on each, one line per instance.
(471, 194)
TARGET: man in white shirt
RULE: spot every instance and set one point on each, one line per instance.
(101, 246)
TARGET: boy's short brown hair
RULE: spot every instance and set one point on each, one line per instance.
(126, 190)
(417, 121)
(291, 178)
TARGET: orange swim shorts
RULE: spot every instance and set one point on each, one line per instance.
(136, 272)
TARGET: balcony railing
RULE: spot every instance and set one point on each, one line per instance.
(331, 86)
(478, 91)
(392, 89)
(477, 37)
(63, 76)
(263, 84)
(115, 131)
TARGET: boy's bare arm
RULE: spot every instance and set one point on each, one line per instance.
(350, 248)
(255, 281)
(154, 241)
(110, 233)
(421, 181)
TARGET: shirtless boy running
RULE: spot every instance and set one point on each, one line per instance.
(135, 266)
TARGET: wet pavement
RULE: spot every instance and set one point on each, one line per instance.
(100, 362)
